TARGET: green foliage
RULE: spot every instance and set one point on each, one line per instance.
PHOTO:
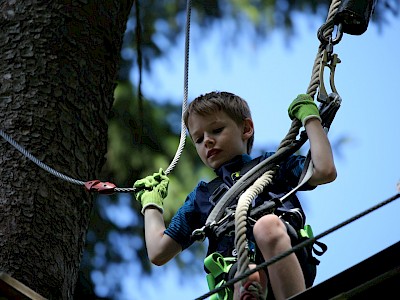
(140, 141)
(163, 22)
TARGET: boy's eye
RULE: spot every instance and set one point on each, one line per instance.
(218, 130)
(198, 140)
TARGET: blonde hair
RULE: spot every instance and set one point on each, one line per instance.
(234, 106)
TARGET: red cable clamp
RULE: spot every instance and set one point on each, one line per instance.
(100, 187)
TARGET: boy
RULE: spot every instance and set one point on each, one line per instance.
(220, 126)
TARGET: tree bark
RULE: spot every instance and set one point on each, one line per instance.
(58, 66)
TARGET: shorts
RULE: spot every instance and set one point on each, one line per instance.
(304, 255)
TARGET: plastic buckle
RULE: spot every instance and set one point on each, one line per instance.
(107, 188)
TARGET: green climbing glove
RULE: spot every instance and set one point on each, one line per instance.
(152, 190)
(303, 108)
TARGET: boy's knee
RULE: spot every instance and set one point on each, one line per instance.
(269, 229)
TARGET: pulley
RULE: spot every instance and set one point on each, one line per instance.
(354, 15)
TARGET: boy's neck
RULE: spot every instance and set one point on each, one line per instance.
(233, 164)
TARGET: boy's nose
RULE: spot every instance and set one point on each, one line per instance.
(209, 141)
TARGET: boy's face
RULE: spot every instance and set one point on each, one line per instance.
(218, 138)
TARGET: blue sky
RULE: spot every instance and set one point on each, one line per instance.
(269, 75)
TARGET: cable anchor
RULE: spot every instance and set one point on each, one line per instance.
(106, 188)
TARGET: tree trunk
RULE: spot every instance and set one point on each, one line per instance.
(58, 66)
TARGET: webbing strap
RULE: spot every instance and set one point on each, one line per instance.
(217, 268)
(307, 233)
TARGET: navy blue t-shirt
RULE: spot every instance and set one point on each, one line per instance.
(194, 212)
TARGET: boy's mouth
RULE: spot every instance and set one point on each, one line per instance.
(212, 152)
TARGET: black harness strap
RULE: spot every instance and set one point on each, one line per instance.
(217, 187)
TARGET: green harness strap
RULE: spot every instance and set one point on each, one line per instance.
(218, 268)
(306, 232)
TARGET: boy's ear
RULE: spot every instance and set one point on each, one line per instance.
(248, 128)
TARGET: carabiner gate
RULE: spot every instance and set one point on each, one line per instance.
(327, 60)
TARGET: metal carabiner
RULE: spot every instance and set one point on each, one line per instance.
(330, 61)
(199, 234)
(332, 66)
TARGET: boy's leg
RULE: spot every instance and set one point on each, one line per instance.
(286, 276)
(259, 283)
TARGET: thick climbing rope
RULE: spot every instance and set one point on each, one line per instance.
(107, 187)
(246, 199)
(241, 217)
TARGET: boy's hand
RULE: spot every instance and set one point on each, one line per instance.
(303, 108)
(153, 190)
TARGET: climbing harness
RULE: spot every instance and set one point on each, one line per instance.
(221, 270)
(301, 245)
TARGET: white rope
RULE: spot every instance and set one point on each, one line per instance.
(185, 91)
(241, 218)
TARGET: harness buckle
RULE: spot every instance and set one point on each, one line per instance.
(218, 193)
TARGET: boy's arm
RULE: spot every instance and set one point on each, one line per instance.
(160, 247)
(304, 109)
(324, 170)
(152, 191)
